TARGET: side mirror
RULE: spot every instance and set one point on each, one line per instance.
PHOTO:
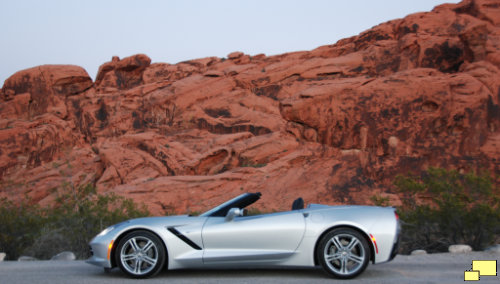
(233, 212)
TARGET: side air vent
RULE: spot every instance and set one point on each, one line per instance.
(178, 234)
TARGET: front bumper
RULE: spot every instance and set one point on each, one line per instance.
(99, 253)
(102, 262)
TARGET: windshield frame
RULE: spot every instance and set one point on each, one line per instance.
(241, 201)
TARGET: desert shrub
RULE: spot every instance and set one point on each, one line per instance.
(49, 242)
(379, 200)
(78, 214)
(19, 226)
(443, 207)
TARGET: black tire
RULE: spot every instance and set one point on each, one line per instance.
(343, 253)
(140, 254)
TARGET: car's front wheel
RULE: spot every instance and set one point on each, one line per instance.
(140, 254)
(343, 253)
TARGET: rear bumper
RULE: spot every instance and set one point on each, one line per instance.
(395, 247)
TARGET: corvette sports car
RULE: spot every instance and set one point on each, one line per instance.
(340, 239)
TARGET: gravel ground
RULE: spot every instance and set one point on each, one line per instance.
(433, 268)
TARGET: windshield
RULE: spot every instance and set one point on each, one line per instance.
(240, 202)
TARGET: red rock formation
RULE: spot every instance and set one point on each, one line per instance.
(333, 125)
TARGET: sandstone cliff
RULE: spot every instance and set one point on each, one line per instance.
(333, 125)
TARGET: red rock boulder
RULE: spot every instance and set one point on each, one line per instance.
(47, 86)
(122, 74)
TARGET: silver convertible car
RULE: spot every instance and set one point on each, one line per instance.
(341, 239)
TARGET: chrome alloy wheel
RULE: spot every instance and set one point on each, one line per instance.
(344, 254)
(139, 255)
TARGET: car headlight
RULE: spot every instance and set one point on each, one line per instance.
(105, 231)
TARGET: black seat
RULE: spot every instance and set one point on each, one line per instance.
(298, 204)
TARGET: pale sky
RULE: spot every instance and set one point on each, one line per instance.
(89, 32)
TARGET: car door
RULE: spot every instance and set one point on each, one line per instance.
(263, 237)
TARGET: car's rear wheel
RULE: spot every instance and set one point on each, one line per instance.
(343, 253)
(140, 254)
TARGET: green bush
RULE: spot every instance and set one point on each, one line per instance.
(78, 214)
(379, 200)
(19, 226)
(444, 207)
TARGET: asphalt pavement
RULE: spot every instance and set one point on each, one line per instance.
(433, 268)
